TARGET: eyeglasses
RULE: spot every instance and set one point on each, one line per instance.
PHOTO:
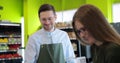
(81, 30)
(45, 19)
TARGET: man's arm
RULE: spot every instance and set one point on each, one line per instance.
(69, 51)
(30, 51)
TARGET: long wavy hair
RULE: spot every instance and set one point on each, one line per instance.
(96, 24)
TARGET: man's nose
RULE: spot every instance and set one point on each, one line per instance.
(47, 21)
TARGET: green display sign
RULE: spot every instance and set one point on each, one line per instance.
(1, 8)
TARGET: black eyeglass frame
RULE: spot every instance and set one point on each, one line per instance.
(83, 29)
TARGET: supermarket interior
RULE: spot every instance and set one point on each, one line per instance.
(19, 20)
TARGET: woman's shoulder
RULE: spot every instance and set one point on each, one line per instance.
(113, 48)
(113, 45)
(113, 53)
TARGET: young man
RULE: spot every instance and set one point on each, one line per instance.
(49, 45)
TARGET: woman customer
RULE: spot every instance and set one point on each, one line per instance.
(92, 28)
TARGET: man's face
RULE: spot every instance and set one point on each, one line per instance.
(47, 19)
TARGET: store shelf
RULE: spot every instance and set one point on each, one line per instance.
(11, 60)
(9, 24)
(8, 51)
(116, 26)
(21, 47)
(3, 51)
(14, 36)
(68, 29)
(10, 42)
(64, 27)
(14, 43)
(74, 41)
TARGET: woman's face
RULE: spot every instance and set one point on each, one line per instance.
(83, 33)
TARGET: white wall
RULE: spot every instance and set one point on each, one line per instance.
(65, 16)
(116, 12)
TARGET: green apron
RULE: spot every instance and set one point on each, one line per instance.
(51, 53)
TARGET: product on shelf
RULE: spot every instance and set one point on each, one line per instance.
(14, 40)
(3, 40)
(71, 34)
(16, 55)
(2, 56)
(14, 46)
(3, 47)
(74, 46)
(63, 24)
(10, 41)
(10, 56)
